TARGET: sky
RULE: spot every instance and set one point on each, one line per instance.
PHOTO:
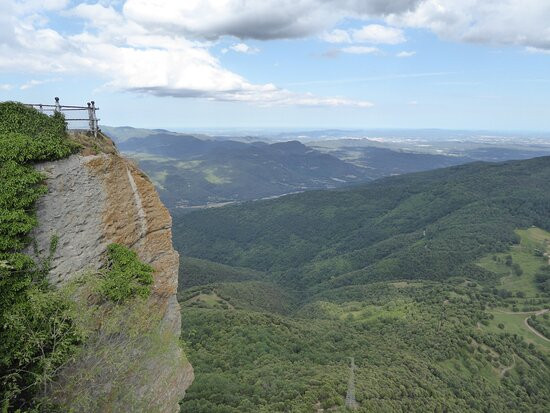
(468, 64)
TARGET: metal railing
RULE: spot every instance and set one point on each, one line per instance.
(73, 123)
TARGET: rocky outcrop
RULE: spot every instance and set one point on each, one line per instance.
(93, 201)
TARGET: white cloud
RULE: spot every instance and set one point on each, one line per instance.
(497, 22)
(378, 34)
(336, 36)
(508, 22)
(6, 86)
(360, 50)
(131, 57)
(244, 48)
(31, 6)
(33, 83)
(372, 33)
(404, 54)
(537, 50)
(161, 47)
(265, 19)
(30, 84)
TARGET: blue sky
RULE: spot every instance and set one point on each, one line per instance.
(299, 64)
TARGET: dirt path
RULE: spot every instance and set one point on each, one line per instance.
(510, 367)
(524, 312)
(533, 330)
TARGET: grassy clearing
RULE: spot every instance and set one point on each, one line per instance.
(515, 324)
(523, 254)
(528, 255)
(159, 178)
(142, 156)
(210, 176)
(360, 311)
(246, 295)
(208, 300)
(188, 164)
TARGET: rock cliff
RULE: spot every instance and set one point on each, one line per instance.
(93, 201)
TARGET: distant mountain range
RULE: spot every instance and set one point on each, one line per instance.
(188, 171)
(197, 170)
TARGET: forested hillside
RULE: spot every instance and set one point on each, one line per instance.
(435, 282)
(428, 225)
(188, 171)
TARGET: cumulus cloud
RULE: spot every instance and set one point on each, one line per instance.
(244, 48)
(132, 57)
(372, 33)
(32, 83)
(405, 53)
(531, 49)
(510, 22)
(378, 34)
(497, 22)
(337, 36)
(266, 19)
(162, 47)
(360, 50)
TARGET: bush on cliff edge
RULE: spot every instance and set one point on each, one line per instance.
(37, 332)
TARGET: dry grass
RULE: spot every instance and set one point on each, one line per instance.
(91, 145)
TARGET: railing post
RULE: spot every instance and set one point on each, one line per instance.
(90, 117)
(57, 105)
(94, 120)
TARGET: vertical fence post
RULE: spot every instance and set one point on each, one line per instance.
(90, 117)
(94, 120)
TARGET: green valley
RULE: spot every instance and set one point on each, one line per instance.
(433, 282)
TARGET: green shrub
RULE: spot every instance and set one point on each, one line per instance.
(45, 135)
(38, 337)
(37, 332)
(127, 276)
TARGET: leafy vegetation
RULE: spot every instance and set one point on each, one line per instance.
(124, 343)
(127, 276)
(194, 271)
(520, 269)
(246, 295)
(37, 329)
(417, 348)
(540, 323)
(429, 225)
(424, 279)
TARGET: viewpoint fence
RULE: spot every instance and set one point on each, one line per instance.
(86, 118)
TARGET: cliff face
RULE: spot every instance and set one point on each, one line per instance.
(93, 201)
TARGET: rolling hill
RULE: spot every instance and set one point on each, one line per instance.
(188, 171)
(432, 281)
(195, 170)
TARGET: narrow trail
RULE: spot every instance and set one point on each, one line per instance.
(351, 403)
(510, 367)
(537, 312)
(533, 330)
(530, 313)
